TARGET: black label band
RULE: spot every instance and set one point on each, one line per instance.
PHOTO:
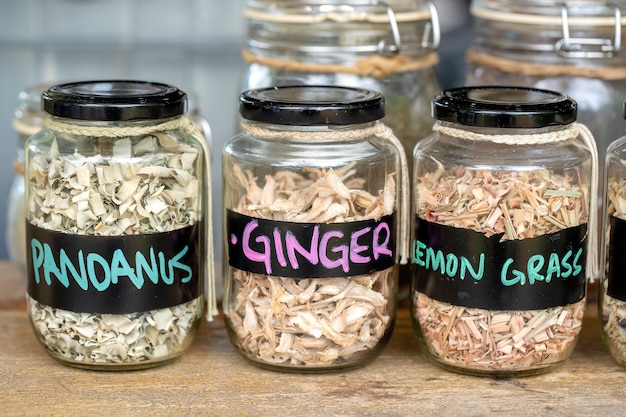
(310, 250)
(616, 273)
(466, 268)
(113, 274)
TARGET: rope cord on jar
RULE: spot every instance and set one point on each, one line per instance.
(477, 58)
(376, 66)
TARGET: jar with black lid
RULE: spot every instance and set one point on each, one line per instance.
(612, 300)
(502, 248)
(313, 228)
(117, 206)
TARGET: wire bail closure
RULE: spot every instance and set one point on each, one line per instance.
(589, 47)
(395, 46)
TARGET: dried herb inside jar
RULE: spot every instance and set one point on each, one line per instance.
(315, 322)
(133, 186)
(514, 205)
(613, 307)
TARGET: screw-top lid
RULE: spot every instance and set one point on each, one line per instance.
(504, 107)
(312, 105)
(116, 100)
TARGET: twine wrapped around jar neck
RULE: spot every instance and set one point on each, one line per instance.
(379, 130)
(182, 123)
(572, 131)
(532, 69)
(376, 66)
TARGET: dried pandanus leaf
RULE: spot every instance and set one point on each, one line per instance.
(151, 188)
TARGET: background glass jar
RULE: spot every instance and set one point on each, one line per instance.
(571, 47)
(574, 48)
(501, 243)
(311, 212)
(28, 120)
(389, 47)
(116, 198)
(612, 302)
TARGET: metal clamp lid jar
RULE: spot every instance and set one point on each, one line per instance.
(389, 47)
(502, 249)
(612, 300)
(314, 228)
(117, 206)
(574, 47)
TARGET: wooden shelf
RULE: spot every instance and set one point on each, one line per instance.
(213, 379)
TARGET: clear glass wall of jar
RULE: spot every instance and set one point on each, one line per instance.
(312, 218)
(612, 302)
(501, 241)
(389, 47)
(116, 208)
(28, 120)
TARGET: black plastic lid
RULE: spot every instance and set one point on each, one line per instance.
(312, 105)
(504, 107)
(114, 100)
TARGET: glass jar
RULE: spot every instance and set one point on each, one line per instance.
(570, 47)
(195, 115)
(116, 209)
(389, 47)
(312, 218)
(612, 302)
(28, 120)
(501, 240)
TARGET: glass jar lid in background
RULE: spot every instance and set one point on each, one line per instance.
(577, 31)
(29, 118)
(335, 28)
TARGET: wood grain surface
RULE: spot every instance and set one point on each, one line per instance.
(213, 379)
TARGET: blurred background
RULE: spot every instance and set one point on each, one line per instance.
(193, 44)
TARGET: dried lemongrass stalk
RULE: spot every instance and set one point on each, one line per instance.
(144, 184)
(498, 340)
(520, 205)
(613, 309)
(314, 322)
